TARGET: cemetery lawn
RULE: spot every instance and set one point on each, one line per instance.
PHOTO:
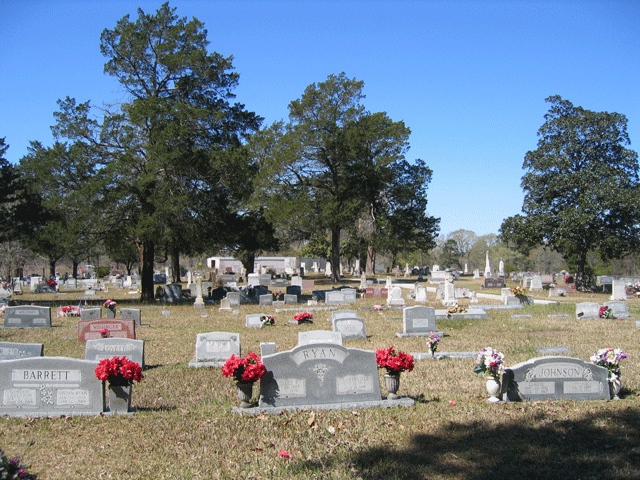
(184, 429)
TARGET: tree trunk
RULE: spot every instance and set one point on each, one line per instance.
(147, 257)
(335, 255)
(74, 271)
(580, 275)
(175, 263)
(371, 260)
(52, 268)
(248, 260)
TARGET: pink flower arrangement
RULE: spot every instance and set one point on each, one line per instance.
(303, 317)
(104, 333)
(110, 304)
(246, 369)
(394, 362)
(118, 369)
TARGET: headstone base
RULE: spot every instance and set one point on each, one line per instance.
(421, 334)
(386, 403)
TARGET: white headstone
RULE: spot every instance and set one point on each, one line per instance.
(487, 266)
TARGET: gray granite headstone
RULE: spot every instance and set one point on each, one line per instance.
(350, 295)
(27, 316)
(90, 313)
(49, 387)
(173, 292)
(267, 348)
(266, 299)
(536, 284)
(290, 299)
(519, 300)
(264, 279)
(213, 348)
(253, 320)
(101, 348)
(620, 309)
(320, 374)
(350, 328)
(334, 297)
(555, 378)
(234, 299)
(319, 336)
(13, 351)
(587, 310)
(418, 321)
(294, 290)
(134, 314)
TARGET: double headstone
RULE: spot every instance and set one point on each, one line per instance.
(27, 316)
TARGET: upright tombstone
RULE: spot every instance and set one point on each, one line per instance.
(118, 328)
(556, 378)
(395, 297)
(267, 348)
(334, 297)
(313, 337)
(420, 294)
(213, 348)
(234, 299)
(173, 292)
(490, 282)
(90, 313)
(449, 294)
(253, 320)
(618, 289)
(294, 290)
(418, 321)
(620, 309)
(14, 351)
(344, 314)
(586, 310)
(49, 387)
(134, 314)
(350, 328)
(266, 300)
(536, 284)
(27, 316)
(253, 279)
(320, 374)
(350, 295)
(476, 274)
(101, 348)
(290, 299)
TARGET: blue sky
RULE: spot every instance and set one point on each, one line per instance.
(469, 78)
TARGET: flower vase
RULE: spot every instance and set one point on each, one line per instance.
(393, 384)
(614, 387)
(119, 396)
(245, 392)
(493, 388)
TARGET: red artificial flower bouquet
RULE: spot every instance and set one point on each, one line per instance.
(303, 317)
(244, 369)
(119, 370)
(394, 362)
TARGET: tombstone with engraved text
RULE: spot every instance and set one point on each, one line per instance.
(213, 348)
(27, 316)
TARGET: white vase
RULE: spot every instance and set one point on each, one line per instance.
(493, 388)
(614, 388)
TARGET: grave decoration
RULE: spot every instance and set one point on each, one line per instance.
(377, 308)
(519, 291)
(490, 362)
(610, 358)
(120, 373)
(104, 333)
(110, 305)
(69, 311)
(245, 372)
(304, 317)
(395, 363)
(267, 320)
(432, 343)
(452, 310)
(606, 312)
(14, 468)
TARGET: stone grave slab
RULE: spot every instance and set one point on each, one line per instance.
(267, 348)
(290, 299)
(173, 292)
(536, 284)
(492, 282)
(134, 314)
(556, 378)
(294, 290)
(234, 299)
(418, 321)
(350, 328)
(213, 348)
(266, 299)
(319, 336)
(587, 310)
(13, 351)
(554, 351)
(394, 299)
(27, 316)
(253, 320)
(320, 374)
(334, 297)
(472, 314)
(49, 387)
(118, 328)
(101, 348)
(620, 309)
(376, 292)
(519, 300)
(90, 313)
(350, 295)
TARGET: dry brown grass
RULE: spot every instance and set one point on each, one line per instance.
(184, 429)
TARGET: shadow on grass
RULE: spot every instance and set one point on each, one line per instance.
(601, 446)
(161, 408)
